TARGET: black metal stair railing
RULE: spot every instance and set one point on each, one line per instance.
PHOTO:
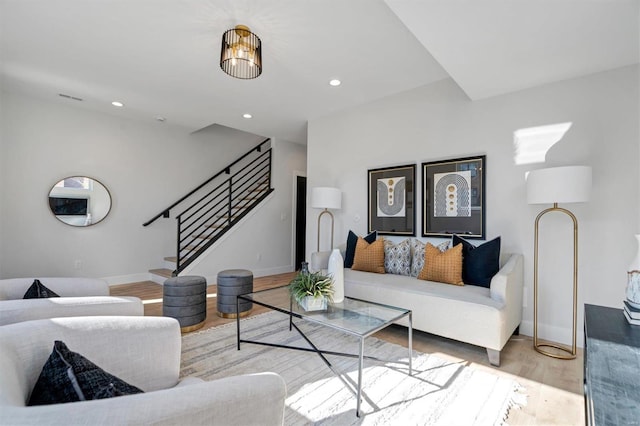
(220, 203)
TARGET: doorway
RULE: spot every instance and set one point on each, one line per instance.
(301, 220)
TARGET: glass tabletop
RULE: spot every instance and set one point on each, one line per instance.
(351, 315)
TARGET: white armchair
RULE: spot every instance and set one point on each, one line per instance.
(79, 297)
(143, 351)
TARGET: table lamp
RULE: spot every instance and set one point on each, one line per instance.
(326, 198)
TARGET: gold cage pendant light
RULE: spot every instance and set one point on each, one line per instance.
(241, 53)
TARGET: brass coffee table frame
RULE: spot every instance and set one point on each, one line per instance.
(313, 318)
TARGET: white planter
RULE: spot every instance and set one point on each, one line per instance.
(336, 271)
(310, 303)
(633, 279)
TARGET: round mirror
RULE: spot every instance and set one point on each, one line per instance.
(79, 201)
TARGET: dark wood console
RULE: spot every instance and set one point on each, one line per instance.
(611, 367)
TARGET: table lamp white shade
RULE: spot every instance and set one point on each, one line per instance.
(324, 197)
(571, 184)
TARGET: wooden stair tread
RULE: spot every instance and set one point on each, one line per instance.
(173, 259)
(250, 197)
(226, 216)
(260, 189)
(204, 237)
(163, 272)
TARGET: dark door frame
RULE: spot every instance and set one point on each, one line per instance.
(299, 219)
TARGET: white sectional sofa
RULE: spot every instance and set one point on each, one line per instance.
(144, 352)
(481, 316)
(79, 297)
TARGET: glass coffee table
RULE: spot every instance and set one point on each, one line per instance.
(353, 316)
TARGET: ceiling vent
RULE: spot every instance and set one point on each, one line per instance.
(70, 97)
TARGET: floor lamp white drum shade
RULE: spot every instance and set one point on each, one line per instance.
(555, 185)
(326, 198)
(571, 184)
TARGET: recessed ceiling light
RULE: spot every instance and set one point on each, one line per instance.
(247, 115)
(335, 82)
(117, 104)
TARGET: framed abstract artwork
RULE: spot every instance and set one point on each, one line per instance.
(392, 200)
(453, 197)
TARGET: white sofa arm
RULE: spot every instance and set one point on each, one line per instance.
(506, 285)
(320, 259)
(14, 288)
(241, 400)
(143, 351)
(12, 311)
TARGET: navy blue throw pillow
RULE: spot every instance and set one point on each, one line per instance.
(37, 290)
(352, 240)
(68, 376)
(481, 263)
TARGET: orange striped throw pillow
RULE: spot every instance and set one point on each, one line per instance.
(443, 267)
(369, 257)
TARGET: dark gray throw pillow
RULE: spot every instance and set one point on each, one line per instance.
(481, 263)
(352, 240)
(68, 376)
(37, 290)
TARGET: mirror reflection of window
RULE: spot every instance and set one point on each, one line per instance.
(80, 182)
(79, 201)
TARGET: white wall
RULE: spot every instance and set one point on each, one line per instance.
(145, 166)
(263, 243)
(2, 162)
(439, 122)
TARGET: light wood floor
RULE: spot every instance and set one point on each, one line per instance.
(553, 387)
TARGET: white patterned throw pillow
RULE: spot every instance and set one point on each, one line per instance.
(417, 262)
(397, 257)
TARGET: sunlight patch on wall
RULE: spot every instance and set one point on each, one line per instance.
(532, 144)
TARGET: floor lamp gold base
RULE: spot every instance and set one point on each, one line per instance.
(536, 345)
(539, 347)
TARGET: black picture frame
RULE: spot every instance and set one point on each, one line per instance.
(457, 204)
(396, 214)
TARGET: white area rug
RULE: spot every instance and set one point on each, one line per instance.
(438, 393)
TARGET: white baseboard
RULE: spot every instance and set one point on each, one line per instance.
(127, 279)
(273, 271)
(134, 278)
(553, 334)
(211, 280)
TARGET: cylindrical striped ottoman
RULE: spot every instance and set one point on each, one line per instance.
(185, 299)
(231, 283)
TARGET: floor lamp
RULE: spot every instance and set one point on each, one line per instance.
(552, 186)
(326, 198)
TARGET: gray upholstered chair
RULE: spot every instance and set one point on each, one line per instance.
(78, 297)
(144, 352)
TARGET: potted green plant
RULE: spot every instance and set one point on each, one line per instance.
(312, 290)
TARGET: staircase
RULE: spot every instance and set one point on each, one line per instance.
(215, 207)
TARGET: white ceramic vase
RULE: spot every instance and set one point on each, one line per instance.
(336, 271)
(633, 280)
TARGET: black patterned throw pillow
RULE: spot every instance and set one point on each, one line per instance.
(68, 376)
(37, 290)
